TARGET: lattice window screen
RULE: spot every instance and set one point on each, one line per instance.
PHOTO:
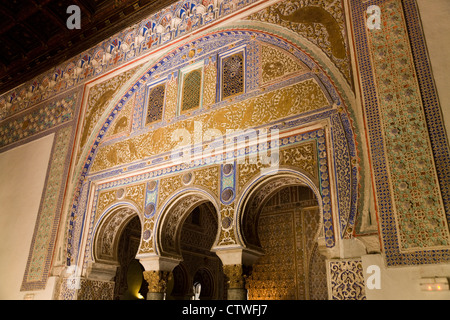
(155, 103)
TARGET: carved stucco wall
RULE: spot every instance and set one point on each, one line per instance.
(292, 268)
(115, 148)
(289, 94)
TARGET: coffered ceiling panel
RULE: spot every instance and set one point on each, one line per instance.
(34, 36)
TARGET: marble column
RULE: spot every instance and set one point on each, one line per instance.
(237, 264)
(158, 272)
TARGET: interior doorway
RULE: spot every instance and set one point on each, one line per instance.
(199, 264)
(291, 267)
(130, 283)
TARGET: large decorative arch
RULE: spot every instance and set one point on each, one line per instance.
(339, 113)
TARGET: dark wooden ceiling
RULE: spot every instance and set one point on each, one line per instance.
(34, 36)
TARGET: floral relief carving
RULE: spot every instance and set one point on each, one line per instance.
(291, 100)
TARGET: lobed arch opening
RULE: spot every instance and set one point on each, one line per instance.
(108, 232)
(256, 195)
(173, 214)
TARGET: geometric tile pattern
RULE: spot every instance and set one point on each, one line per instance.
(37, 120)
(416, 196)
(407, 173)
(322, 22)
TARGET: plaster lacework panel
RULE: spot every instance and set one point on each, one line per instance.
(209, 91)
(415, 188)
(107, 246)
(99, 97)
(95, 290)
(122, 123)
(146, 245)
(346, 280)
(291, 268)
(207, 177)
(292, 100)
(320, 21)
(155, 103)
(302, 156)
(233, 75)
(276, 63)
(227, 234)
(171, 99)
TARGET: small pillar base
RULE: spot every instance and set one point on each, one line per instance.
(155, 296)
(237, 294)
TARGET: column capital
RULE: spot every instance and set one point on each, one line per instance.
(237, 255)
(157, 263)
(157, 280)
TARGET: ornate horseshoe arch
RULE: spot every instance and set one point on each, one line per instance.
(172, 215)
(108, 231)
(258, 192)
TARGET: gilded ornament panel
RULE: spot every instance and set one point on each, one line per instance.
(122, 123)
(95, 290)
(209, 91)
(171, 99)
(276, 63)
(227, 234)
(99, 97)
(291, 100)
(320, 21)
(133, 193)
(291, 268)
(302, 156)
(146, 245)
(207, 177)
